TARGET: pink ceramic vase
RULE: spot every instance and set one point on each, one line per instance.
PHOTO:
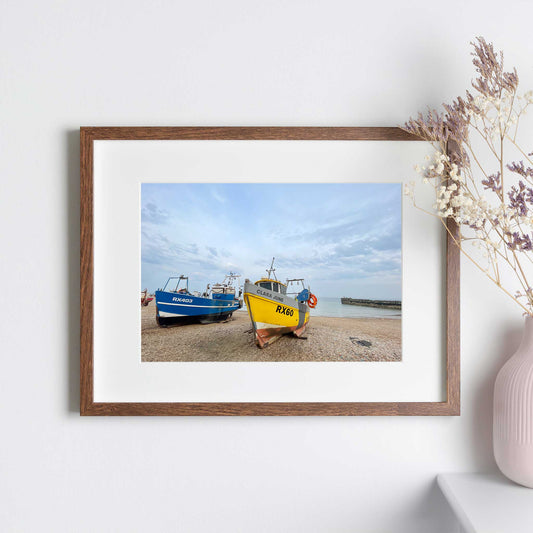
(513, 413)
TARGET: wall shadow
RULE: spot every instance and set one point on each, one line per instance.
(72, 228)
(481, 428)
(432, 512)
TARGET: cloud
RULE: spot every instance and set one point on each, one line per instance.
(151, 213)
(217, 196)
(158, 249)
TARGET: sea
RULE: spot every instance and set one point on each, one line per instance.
(334, 308)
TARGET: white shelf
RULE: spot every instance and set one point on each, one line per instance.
(488, 503)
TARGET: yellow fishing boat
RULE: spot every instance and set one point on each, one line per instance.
(275, 309)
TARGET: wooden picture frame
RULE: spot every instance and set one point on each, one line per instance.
(88, 135)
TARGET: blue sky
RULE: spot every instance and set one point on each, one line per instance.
(344, 239)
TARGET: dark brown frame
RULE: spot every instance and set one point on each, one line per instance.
(87, 405)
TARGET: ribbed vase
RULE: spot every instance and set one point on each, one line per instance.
(513, 413)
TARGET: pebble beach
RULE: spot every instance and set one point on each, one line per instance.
(325, 339)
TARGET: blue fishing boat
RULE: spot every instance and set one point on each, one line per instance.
(175, 304)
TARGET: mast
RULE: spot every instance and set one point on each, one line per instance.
(230, 278)
(271, 272)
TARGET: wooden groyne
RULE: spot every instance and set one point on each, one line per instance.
(380, 304)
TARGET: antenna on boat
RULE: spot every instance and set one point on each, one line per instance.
(271, 270)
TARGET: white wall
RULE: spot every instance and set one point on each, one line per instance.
(320, 63)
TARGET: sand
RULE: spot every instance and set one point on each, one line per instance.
(326, 339)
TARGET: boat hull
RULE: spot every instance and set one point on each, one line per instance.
(274, 314)
(175, 308)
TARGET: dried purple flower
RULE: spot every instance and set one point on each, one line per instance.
(489, 65)
(493, 183)
(430, 128)
(519, 242)
(520, 168)
(517, 198)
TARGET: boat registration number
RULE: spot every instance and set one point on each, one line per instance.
(284, 310)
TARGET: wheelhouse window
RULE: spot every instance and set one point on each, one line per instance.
(274, 286)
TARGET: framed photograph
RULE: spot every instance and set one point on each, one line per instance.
(281, 271)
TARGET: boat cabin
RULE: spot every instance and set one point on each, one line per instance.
(221, 291)
(272, 285)
(170, 283)
(221, 288)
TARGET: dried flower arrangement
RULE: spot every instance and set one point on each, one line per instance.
(492, 207)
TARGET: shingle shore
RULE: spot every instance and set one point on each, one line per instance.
(327, 339)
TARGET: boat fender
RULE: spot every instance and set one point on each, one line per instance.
(303, 296)
(313, 300)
